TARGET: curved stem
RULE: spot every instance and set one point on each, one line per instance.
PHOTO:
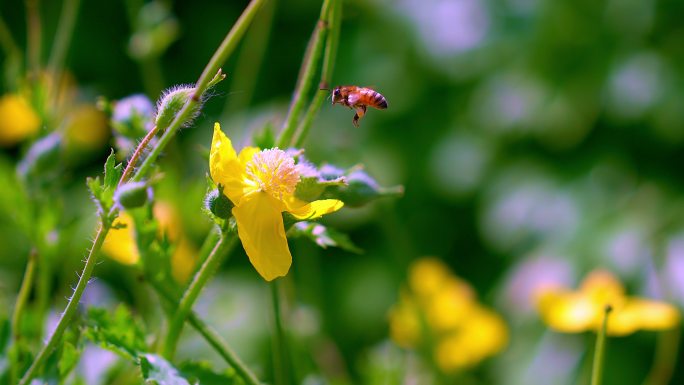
(188, 299)
(209, 76)
(137, 153)
(212, 337)
(280, 357)
(33, 35)
(334, 19)
(665, 361)
(71, 307)
(599, 352)
(308, 70)
(24, 291)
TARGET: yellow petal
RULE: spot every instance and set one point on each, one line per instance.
(603, 288)
(641, 314)
(569, 312)
(261, 230)
(225, 167)
(316, 209)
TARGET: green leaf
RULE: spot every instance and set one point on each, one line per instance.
(156, 370)
(112, 172)
(68, 360)
(323, 236)
(118, 332)
(202, 373)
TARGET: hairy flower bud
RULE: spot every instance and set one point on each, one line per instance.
(361, 189)
(131, 195)
(171, 103)
(218, 204)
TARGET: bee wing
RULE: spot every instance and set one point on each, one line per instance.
(353, 98)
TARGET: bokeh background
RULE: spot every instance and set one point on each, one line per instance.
(536, 140)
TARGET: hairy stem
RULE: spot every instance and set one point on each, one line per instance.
(190, 295)
(306, 75)
(599, 352)
(71, 306)
(137, 154)
(209, 76)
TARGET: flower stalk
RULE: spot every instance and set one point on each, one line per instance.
(312, 56)
(208, 269)
(599, 353)
(280, 346)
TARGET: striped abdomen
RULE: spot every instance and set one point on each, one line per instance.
(372, 98)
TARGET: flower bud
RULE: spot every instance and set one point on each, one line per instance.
(131, 195)
(362, 189)
(42, 158)
(218, 204)
(132, 115)
(172, 102)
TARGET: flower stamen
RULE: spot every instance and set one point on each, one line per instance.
(274, 172)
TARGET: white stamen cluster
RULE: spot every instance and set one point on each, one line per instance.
(274, 172)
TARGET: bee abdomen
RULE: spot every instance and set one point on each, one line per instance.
(378, 101)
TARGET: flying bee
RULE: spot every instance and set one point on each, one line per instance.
(358, 98)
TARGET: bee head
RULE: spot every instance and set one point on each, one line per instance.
(336, 95)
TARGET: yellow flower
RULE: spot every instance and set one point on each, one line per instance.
(261, 185)
(86, 127)
(582, 310)
(18, 120)
(121, 246)
(440, 312)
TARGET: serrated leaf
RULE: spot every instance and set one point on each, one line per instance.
(68, 359)
(112, 172)
(156, 370)
(324, 236)
(118, 331)
(202, 373)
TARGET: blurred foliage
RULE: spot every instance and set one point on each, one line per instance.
(536, 140)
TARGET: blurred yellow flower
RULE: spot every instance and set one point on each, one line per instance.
(440, 311)
(582, 310)
(18, 120)
(120, 244)
(261, 185)
(86, 127)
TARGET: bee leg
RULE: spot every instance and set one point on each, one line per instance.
(360, 111)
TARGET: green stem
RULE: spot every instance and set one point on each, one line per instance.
(334, 20)
(599, 353)
(22, 297)
(65, 29)
(71, 306)
(665, 360)
(280, 356)
(250, 61)
(306, 75)
(212, 337)
(208, 269)
(7, 42)
(34, 31)
(209, 75)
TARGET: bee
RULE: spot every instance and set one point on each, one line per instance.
(358, 98)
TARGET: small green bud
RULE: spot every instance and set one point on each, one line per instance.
(131, 195)
(171, 103)
(218, 204)
(132, 116)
